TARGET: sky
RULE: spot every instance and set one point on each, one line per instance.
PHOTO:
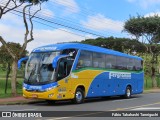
(102, 18)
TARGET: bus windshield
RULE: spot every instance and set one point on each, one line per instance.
(39, 67)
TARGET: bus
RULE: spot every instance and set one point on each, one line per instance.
(74, 71)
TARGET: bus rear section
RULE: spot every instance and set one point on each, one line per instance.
(109, 75)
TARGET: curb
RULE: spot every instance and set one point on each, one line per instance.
(151, 91)
(21, 102)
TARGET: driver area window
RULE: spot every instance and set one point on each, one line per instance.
(64, 68)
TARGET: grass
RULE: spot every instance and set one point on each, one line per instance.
(8, 94)
(148, 82)
(2, 83)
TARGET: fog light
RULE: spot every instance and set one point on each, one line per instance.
(50, 95)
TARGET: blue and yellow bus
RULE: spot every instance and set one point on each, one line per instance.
(74, 71)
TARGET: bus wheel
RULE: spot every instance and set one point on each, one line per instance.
(79, 96)
(128, 92)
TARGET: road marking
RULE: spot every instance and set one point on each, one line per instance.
(124, 100)
(129, 108)
(150, 108)
(25, 109)
(118, 109)
(60, 118)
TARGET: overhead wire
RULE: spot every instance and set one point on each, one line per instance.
(83, 12)
(51, 26)
(74, 24)
(87, 27)
(75, 27)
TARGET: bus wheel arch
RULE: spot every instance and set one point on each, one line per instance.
(128, 92)
(79, 94)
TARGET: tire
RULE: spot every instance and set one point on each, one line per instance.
(79, 96)
(128, 92)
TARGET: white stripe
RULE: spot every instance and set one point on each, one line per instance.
(150, 108)
(59, 118)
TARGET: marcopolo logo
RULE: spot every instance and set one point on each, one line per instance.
(45, 48)
(35, 87)
(119, 75)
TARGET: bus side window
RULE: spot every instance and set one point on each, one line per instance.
(108, 65)
(85, 59)
(121, 63)
(80, 64)
(95, 64)
(102, 64)
(130, 64)
(110, 61)
(87, 63)
(138, 64)
(98, 60)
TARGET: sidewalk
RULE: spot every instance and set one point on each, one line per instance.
(22, 100)
(16, 100)
(157, 90)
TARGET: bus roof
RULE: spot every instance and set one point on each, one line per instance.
(62, 46)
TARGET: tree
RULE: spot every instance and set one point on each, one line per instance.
(27, 14)
(118, 44)
(6, 59)
(147, 31)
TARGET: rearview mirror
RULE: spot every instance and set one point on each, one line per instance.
(56, 59)
(22, 60)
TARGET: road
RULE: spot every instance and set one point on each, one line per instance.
(142, 102)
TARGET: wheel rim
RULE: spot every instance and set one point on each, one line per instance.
(128, 92)
(78, 96)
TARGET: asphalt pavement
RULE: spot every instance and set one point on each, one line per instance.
(94, 107)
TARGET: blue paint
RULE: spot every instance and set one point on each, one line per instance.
(103, 86)
(59, 47)
(41, 88)
(55, 60)
(21, 60)
(76, 60)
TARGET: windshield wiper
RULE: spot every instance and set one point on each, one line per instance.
(33, 69)
(38, 72)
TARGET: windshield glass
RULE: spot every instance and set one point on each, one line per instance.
(39, 67)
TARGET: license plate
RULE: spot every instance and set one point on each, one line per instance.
(34, 96)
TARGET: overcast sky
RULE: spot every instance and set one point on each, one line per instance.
(102, 17)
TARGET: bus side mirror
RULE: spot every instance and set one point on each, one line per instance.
(21, 60)
(56, 59)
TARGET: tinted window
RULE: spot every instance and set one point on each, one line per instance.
(121, 63)
(138, 64)
(98, 60)
(64, 68)
(110, 61)
(131, 64)
(85, 59)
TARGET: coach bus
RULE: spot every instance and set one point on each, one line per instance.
(74, 71)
